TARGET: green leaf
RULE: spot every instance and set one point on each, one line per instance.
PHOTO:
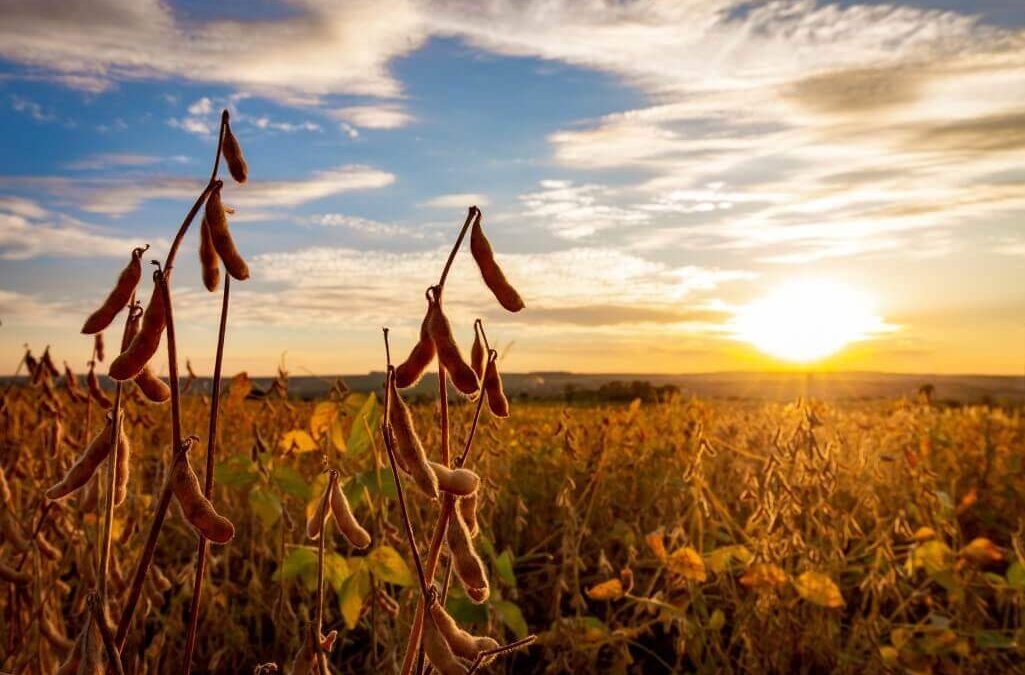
(994, 639)
(504, 567)
(352, 594)
(291, 482)
(336, 570)
(509, 613)
(301, 563)
(236, 471)
(265, 504)
(363, 425)
(370, 480)
(1016, 575)
(387, 565)
(463, 610)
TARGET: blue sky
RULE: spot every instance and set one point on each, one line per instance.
(646, 171)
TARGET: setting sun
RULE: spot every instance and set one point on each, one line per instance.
(807, 320)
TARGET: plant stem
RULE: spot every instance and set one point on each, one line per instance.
(208, 486)
(471, 215)
(160, 277)
(115, 448)
(169, 261)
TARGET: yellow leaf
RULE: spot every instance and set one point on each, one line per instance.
(656, 542)
(722, 558)
(324, 414)
(606, 590)
(763, 575)
(933, 556)
(298, 441)
(387, 565)
(819, 589)
(981, 551)
(687, 563)
(923, 534)
(337, 435)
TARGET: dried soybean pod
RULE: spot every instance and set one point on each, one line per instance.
(410, 453)
(458, 482)
(347, 523)
(92, 651)
(5, 490)
(70, 666)
(316, 520)
(495, 279)
(466, 563)
(220, 235)
(54, 635)
(47, 362)
(461, 642)
(119, 297)
(477, 354)
(196, 508)
(145, 343)
(497, 401)
(306, 658)
(98, 347)
(11, 575)
(438, 651)
(412, 369)
(11, 531)
(122, 468)
(95, 390)
(232, 152)
(463, 377)
(83, 469)
(71, 384)
(468, 510)
(152, 387)
(209, 261)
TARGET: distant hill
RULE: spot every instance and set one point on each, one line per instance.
(746, 386)
(775, 386)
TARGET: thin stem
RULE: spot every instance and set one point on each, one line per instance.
(472, 214)
(498, 651)
(211, 184)
(211, 449)
(99, 615)
(112, 459)
(179, 448)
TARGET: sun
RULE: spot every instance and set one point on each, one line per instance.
(807, 320)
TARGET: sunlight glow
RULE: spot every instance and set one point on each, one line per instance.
(807, 320)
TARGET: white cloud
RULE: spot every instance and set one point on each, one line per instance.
(594, 286)
(462, 200)
(576, 211)
(29, 231)
(106, 160)
(321, 48)
(373, 116)
(118, 197)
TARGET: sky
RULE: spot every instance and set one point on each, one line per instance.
(647, 170)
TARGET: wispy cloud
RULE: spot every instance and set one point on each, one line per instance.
(120, 196)
(27, 230)
(107, 160)
(322, 49)
(388, 116)
(460, 200)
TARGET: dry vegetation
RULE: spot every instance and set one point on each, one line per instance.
(361, 534)
(704, 517)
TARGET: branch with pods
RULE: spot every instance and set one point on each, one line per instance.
(142, 334)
